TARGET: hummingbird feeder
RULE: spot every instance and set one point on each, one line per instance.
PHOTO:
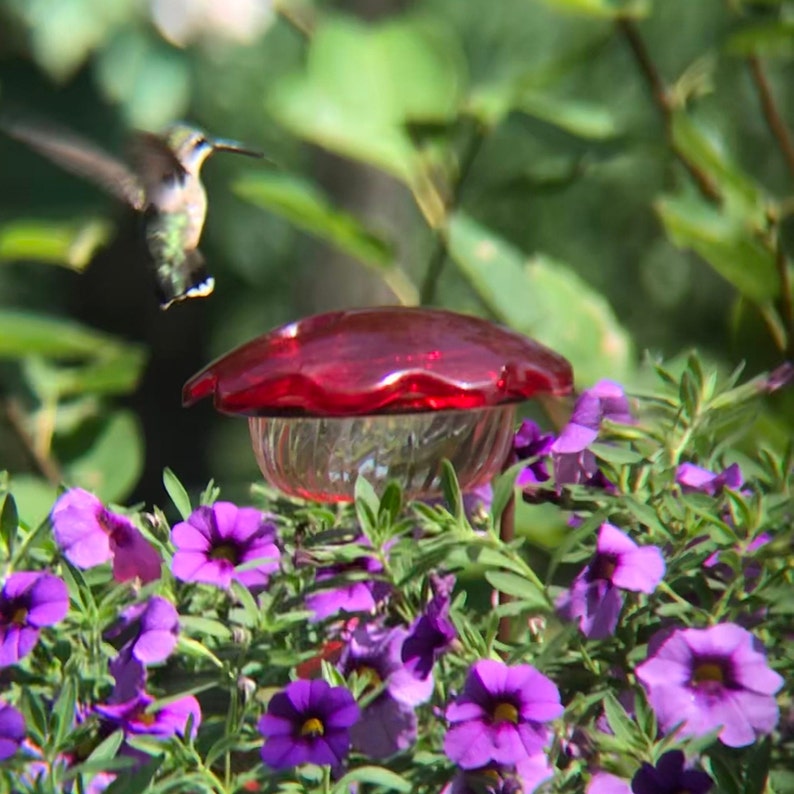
(384, 393)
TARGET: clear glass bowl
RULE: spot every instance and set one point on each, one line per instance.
(320, 458)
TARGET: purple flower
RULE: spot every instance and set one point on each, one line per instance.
(353, 595)
(605, 783)
(530, 443)
(695, 479)
(90, 534)
(670, 777)
(308, 722)
(712, 678)
(135, 717)
(595, 597)
(524, 778)
(431, 633)
(29, 600)
(215, 540)
(499, 715)
(573, 462)
(388, 723)
(12, 730)
(149, 630)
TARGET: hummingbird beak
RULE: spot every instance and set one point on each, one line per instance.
(226, 145)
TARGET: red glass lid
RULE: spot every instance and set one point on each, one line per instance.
(391, 359)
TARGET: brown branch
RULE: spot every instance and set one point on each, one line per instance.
(771, 113)
(786, 298)
(661, 98)
(45, 464)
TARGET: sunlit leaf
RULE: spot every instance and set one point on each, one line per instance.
(606, 9)
(583, 119)
(543, 299)
(68, 244)
(769, 39)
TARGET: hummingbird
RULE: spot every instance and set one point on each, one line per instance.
(162, 183)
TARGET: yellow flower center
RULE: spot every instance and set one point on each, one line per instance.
(708, 673)
(505, 712)
(224, 552)
(20, 616)
(312, 727)
(146, 717)
(373, 679)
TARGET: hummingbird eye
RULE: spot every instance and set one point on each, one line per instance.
(200, 143)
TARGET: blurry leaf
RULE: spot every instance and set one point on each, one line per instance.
(68, 244)
(116, 373)
(114, 462)
(622, 725)
(451, 490)
(375, 775)
(607, 9)
(767, 39)
(737, 188)
(63, 711)
(136, 781)
(34, 498)
(194, 625)
(518, 586)
(177, 493)
(579, 118)
(543, 299)
(619, 456)
(724, 241)
(9, 523)
(302, 204)
(26, 334)
(364, 82)
(367, 504)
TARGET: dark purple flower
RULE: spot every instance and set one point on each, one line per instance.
(530, 443)
(595, 598)
(353, 595)
(499, 715)
(605, 783)
(388, 723)
(135, 717)
(29, 600)
(149, 630)
(308, 722)
(695, 479)
(431, 634)
(670, 777)
(12, 730)
(523, 778)
(574, 464)
(90, 534)
(215, 540)
(712, 678)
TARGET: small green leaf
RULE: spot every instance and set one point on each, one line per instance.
(68, 244)
(62, 718)
(177, 493)
(367, 506)
(582, 119)
(451, 490)
(769, 39)
(376, 776)
(619, 456)
(9, 523)
(513, 585)
(194, 625)
(620, 722)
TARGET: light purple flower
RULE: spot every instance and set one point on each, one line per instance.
(149, 630)
(595, 598)
(135, 717)
(712, 678)
(605, 783)
(670, 777)
(89, 534)
(308, 722)
(432, 633)
(500, 714)
(215, 540)
(695, 479)
(388, 723)
(12, 730)
(574, 464)
(29, 601)
(524, 778)
(353, 595)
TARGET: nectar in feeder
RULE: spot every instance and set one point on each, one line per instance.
(385, 393)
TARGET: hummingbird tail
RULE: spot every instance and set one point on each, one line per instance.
(187, 279)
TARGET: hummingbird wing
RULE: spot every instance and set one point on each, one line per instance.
(154, 161)
(80, 157)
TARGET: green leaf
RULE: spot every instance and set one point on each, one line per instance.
(62, 718)
(543, 299)
(724, 241)
(620, 722)
(518, 586)
(68, 244)
(117, 372)
(113, 463)
(305, 206)
(367, 506)
(583, 119)
(451, 490)
(34, 498)
(136, 781)
(195, 625)
(619, 456)
(9, 523)
(376, 776)
(769, 39)
(25, 334)
(603, 9)
(177, 492)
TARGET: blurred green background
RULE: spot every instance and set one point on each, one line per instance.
(610, 176)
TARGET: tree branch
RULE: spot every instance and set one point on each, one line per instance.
(45, 464)
(661, 99)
